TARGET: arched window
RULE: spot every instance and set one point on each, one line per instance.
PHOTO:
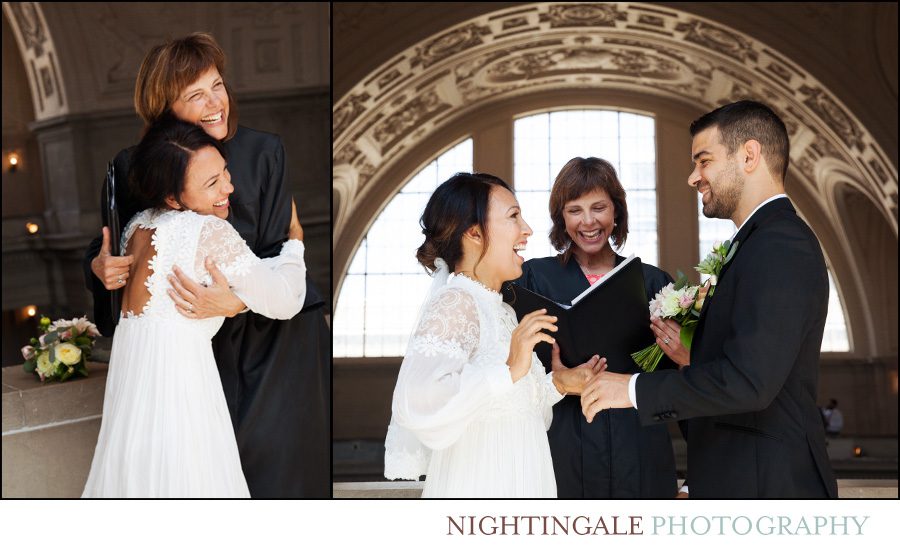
(385, 284)
(545, 142)
(836, 338)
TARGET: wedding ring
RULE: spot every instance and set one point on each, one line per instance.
(190, 308)
(666, 341)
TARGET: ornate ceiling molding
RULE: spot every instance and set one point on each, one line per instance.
(600, 46)
(39, 57)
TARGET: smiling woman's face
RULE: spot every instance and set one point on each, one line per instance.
(508, 234)
(205, 103)
(207, 185)
(590, 221)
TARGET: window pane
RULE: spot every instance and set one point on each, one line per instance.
(545, 143)
(712, 230)
(385, 284)
(836, 338)
(349, 317)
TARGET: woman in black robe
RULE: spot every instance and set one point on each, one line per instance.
(276, 374)
(613, 457)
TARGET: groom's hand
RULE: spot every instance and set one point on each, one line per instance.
(606, 390)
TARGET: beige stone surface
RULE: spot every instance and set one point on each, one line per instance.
(50, 462)
(378, 490)
(49, 432)
(406, 489)
(28, 403)
(867, 489)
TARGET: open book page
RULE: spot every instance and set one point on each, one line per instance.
(597, 284)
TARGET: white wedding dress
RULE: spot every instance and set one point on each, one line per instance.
(166, 429)
(457, 415)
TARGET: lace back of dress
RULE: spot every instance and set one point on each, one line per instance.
(136, 293)
(166, 238)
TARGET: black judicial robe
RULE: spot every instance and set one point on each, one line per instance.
(276, 374)
(613, 457)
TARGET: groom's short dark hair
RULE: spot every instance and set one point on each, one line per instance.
(750, 120)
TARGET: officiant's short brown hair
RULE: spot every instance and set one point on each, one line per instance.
(578, 177)
(169, 68)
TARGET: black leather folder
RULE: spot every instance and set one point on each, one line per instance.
(611, 319)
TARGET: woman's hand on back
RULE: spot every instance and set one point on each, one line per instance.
(112, 271)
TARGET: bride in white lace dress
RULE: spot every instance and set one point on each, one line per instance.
(166, 430)
(472, 403)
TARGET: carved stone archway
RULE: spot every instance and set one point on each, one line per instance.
(600, 47)
(48, 92)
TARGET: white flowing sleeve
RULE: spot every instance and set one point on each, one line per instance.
(273, 287)
(439, 390)
(549, 394)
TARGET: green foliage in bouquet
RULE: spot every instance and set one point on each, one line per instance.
(62, 350)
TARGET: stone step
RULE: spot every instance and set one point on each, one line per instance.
(847, 489)
(363, 460)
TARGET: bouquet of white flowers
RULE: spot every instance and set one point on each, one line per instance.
(63, 349)
(682, 302)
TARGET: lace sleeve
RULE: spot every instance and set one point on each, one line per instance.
(274, 287)
(440, 389)
(549, 394)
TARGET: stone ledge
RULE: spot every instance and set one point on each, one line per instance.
(50, 462)
(401, 489)
(847, 489)
(30, 404)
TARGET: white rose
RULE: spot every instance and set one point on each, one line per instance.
(44, 366)
(68, 354)
(672, 304)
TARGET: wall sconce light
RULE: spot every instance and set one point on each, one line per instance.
(32, 227)
(13, 160)
(31, 310)
(857, 451)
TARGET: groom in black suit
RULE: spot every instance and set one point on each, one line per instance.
(749, 393)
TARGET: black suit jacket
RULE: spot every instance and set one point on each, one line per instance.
(750, 391)
(613, 457)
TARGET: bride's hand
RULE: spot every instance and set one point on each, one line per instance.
(668, 338)
(525, 337)
(571, 381)
(196, 301)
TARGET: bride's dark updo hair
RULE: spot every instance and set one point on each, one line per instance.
(160, 161)
(458, 204)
